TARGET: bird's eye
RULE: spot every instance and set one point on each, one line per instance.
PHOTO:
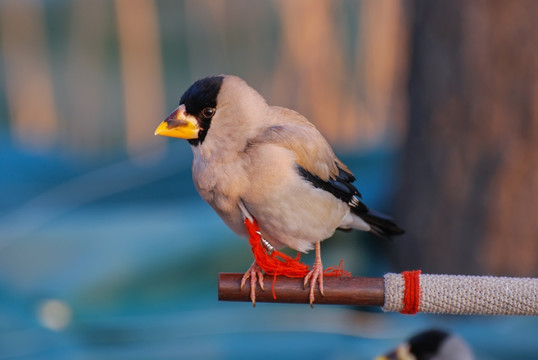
(208, 112)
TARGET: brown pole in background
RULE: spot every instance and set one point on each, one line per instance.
(362, 291)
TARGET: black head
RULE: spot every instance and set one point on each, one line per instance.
(426, 345)
(199, 98)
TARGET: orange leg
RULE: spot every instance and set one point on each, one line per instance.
(315, 275)
(255, 274)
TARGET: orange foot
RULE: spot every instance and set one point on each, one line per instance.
(315, 276)
(255, 274)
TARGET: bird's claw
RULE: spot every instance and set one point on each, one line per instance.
(255, 273)
(315, 276)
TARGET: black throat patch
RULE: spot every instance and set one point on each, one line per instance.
(200, 95)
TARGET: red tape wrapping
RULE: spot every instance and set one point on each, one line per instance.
(411, 298)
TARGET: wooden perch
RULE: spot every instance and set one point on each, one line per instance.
(338, 290)
(408, 293)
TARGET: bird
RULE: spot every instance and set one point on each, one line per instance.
(268, 163)
(432, 344)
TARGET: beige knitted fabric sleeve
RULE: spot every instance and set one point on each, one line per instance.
(457, 294)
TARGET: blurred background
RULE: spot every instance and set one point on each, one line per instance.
(108, 252)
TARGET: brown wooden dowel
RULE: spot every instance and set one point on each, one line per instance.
(338, 290)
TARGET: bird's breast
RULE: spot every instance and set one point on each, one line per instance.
(221, 184)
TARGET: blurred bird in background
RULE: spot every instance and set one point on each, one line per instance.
(431, 345)
(268, 163)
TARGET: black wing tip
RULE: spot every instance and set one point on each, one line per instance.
(340, 187)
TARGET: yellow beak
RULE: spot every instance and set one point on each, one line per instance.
(179, 124)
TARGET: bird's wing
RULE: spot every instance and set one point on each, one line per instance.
(315, 160)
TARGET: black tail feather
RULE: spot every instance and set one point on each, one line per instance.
(381, 225)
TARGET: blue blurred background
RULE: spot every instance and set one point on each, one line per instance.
(106, 249)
